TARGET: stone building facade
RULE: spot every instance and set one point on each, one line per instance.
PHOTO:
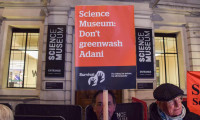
(179, 17)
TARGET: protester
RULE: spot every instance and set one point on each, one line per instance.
(98, 105)
(6, 113)
(169, 104)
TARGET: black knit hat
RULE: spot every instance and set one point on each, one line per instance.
(167, 92)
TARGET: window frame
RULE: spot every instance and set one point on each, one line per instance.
(20, 30)
(164, 35)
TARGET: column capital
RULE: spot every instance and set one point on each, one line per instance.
(57, 10)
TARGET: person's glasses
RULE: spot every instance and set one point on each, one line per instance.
(177, 99)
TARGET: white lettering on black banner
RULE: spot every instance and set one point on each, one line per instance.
(55, 52)
(144, 50)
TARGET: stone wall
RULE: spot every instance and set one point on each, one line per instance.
(193, 32)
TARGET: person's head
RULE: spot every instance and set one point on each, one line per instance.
(98, 104)
(169, 99)
(6, 113)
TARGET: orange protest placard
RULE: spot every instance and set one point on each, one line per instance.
(193, 91)
(105, 49)
(105, 36)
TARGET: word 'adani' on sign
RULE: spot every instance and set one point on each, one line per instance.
(91, 54)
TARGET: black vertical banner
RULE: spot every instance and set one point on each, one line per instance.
(55, 51)
(144, 50)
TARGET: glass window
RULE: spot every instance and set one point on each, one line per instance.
(23, 58)
(166, 59)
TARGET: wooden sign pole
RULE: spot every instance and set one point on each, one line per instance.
(105, 104)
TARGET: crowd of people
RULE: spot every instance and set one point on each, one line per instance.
(168, 106)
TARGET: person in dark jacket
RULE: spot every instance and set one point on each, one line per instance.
(169, 104)
(98, 105)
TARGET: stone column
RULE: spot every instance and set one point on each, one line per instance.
(1, 20)
(142, 20)
(193, 32)
(58, 16)
(1, 40)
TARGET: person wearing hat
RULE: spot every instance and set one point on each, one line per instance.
(169, 104)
